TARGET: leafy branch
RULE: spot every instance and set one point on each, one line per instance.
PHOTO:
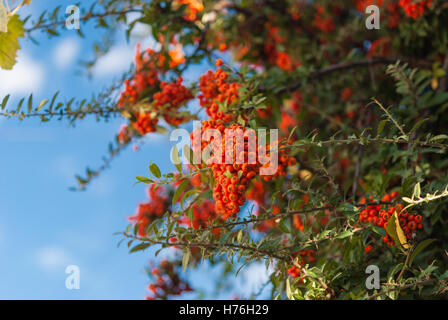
(416, 284)
(417, 199)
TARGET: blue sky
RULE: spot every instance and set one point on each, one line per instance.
(44, 226)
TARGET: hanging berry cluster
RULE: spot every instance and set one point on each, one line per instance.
(168, 100)
(379, 215)
(216, 89)
(233, 176)
(232, 180)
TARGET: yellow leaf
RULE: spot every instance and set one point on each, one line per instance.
(125, 114)
(3, 18)
(9, 43)
(293, 170)
(400, 234)
(434, 83)
(408, 200)
(305, 175)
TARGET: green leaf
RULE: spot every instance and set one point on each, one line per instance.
(155, 170)
(5, 101)
(292, 132)
(288, 289)
(381, 126)
(53, 100)
(344, 234)
(140, 247)
(30, 103)
(348, 207)
(9, 43)
(176, 159)
(239, 236)
(42, 104)
(420, 247)
(144, 179)
(161, 130)
(179, 190)
(379, 231)
(417, 190)
(228, 174)
(189, 154)
(185, 259)
(418, 125)
(284, 226)
(439, 137)
(136, 227)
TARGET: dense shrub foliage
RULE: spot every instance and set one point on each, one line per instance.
(362, 140)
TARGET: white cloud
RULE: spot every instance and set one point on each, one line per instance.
(66, 52)
(120, 57)
(140, 31)
(26, 77)
(51, 258)
(116, 61)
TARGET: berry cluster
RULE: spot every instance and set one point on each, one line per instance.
(321, 22)
(361, 5)
(193, 8)
(275, 57)
(346, 94)
(146, 76)
(380, 47)
(393, 14)
(149, 211)
(415, 9)
(170, 98)
(123, 136)
(233, 176)
(216, 89)
(144, 123)
(167, 281)
(233, 179)
(287, 122)
(379, 215)
(177, 56)
(305, 256)
(284, 160)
